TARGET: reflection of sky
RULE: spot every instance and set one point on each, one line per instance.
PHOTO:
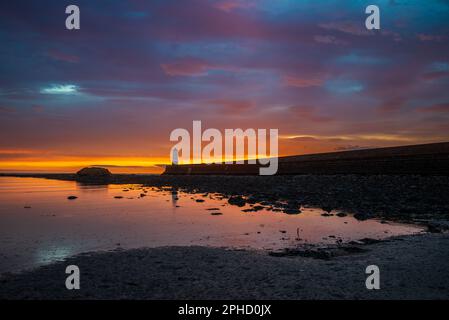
(174, 197)
(53, 227)
(52, 254)
(136, 70)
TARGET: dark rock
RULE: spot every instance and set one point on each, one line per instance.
(290, 211)
(72, 197)
(237, 201)
(326, 208)
(94, 172)
(369, 241)
(341, 214)
(252, 200)
(199, 200)
(361, 216)
(437, 226)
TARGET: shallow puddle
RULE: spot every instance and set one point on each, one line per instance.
(39, 224)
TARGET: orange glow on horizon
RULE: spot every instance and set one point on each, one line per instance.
(115, 165)
(23, 160)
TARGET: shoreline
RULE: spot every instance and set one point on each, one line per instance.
(399, 198)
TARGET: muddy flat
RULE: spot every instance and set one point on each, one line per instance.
(410, 268)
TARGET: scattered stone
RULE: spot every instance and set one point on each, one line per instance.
(216, 213)
(326, 208)
(341, 214)
(118, 197)
(290, 211)
(369, 241)
(437, 226)
(72, 197)
(361, 216)
(237, 201)
(199, 200)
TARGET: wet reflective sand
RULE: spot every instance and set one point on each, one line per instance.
(39, 224)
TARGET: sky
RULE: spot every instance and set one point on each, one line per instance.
(110, 93)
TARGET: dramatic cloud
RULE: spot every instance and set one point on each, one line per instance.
(61, 56)
(60, 89)
(346, 27)
(187, 67)
(229, 5)
(293, 81)
(112, 91)
(328, 39)
(430, 37)
(439, 108)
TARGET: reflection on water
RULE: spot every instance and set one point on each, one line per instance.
(38, 224)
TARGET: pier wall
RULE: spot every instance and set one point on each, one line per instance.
(426, 159)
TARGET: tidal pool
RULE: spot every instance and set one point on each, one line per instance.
(39, 224)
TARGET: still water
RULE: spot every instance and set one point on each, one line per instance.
(39, 224)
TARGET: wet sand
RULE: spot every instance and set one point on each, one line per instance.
(412, 267)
